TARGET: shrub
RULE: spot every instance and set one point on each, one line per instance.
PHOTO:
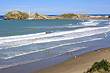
(104, 64)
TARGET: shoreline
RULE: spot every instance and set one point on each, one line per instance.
(46, 63)
(79, 64)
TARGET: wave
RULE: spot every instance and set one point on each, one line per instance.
(22, 36)
(75, 26)
(17, 41)
(90, 23)
(50, 48)
(14, 64)
(69, 24)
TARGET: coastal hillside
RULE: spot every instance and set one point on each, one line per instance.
(73, 16)
(80, 16)
(17, 15)
(68, 16)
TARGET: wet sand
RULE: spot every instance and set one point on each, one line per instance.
(79, 64)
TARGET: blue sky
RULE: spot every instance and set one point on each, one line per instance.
(56, 6)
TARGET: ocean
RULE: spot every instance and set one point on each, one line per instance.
(98, 15)
(26, 41)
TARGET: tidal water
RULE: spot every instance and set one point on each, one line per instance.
(26, 41)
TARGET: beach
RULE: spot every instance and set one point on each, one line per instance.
(59, 36)
(79, 64)
(37, 44)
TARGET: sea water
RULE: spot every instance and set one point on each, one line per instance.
(26, 41)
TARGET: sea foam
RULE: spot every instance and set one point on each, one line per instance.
(16, 41)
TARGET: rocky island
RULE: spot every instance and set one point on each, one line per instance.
(17, 15)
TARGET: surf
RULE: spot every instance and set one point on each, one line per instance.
(17, 41)
(60, 45)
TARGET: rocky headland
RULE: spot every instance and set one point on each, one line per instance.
(17, 15)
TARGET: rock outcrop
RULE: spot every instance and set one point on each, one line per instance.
(17, 15)
(37, 16)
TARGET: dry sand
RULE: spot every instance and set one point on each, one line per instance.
(80, 64)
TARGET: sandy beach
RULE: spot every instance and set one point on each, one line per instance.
(79, 64)
(54, 36)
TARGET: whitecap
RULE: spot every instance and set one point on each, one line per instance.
(17, 41)
(90, 23)
(69, 24)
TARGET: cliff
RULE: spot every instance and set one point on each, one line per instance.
(17, 15)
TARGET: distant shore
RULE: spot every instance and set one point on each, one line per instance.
(17, 15)
(79, 64)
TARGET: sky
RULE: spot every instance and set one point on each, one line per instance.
(55, 7)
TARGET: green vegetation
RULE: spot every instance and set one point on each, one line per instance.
(108, 16)
(69, 15)
(23, 15)
(12, 15)
(16, 15)
(100, 67)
